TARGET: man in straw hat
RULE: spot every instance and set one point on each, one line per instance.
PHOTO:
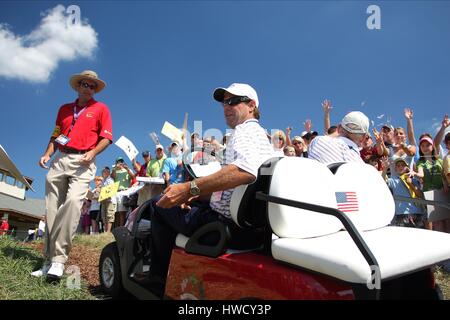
(83, 130)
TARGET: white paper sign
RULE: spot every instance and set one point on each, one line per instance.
(204, 170)
(150, 180)
(172, 132)
(128, 147)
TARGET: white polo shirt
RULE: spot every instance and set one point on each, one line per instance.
(328, 150)
(248, 148)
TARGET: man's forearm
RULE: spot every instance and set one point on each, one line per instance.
(410, 131)
(326, 122)
(228, 177)
(50, 147)
(102, 145)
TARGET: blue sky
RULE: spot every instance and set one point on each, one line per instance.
(162, 59)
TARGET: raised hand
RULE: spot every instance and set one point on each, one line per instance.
(445, 121)
(308, 125)
(377, 135)
(326, 105)
(408, 113)
(288, 131)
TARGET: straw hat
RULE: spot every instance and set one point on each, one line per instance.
(88, 75)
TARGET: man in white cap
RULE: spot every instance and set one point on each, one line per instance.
(154, 169)
(247, 149)
(352, 130)
(83, 130)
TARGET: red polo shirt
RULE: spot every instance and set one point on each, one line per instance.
(92, 124)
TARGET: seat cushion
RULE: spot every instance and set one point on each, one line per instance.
(303, 180)
(398, 251)
(363, 195)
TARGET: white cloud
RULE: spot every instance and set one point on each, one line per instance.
(35, 56)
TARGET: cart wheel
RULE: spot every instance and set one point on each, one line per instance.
(109, 271)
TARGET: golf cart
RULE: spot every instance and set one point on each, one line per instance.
(297, 239)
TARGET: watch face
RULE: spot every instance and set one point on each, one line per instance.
(195, 191)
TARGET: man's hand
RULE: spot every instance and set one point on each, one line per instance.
(445, 121)
(175, 195)
(308, 125)
(87, 158)
(288, 131)
(408, 114)
(43, 161)
(377, 135)
(326, 105)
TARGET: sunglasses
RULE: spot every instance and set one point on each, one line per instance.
(235, 100)
(87, 85)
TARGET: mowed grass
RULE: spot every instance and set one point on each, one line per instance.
(443, 279)
(98, 241)
(17, 262)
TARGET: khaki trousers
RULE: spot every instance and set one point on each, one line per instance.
(66, 186)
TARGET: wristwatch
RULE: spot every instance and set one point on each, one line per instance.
(194, 190)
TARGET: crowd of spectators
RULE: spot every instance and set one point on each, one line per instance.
(410, 168)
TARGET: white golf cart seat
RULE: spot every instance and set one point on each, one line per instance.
(322, 246)
(250, 217)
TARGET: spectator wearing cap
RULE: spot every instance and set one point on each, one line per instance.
(429, 166)
(405, 184)
(247, 149)
(107, 206)
(154, 170)
(124, 176)
(141, 169)
(83, 130)
(387, 132)
(173, 170)
(353, 129)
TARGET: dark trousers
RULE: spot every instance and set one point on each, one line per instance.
(167, 223)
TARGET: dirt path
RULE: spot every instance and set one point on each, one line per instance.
(87, 260)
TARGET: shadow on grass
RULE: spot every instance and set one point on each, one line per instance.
(16, 252)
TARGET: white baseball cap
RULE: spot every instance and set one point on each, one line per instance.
(237, 89)
(158, 146)
(355, 122)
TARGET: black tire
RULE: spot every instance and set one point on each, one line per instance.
(109, 271)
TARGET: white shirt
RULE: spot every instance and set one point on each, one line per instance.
(328, 150)
(248, 148)
(41, 226)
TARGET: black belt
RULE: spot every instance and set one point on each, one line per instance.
(73, 151)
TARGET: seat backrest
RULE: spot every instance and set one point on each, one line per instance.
(304, 180)
(245, 209)
(364, 196)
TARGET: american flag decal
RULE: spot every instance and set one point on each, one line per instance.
(347, 201)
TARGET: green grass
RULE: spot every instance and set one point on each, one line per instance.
(94, 241)
(443, 279)
(16, 283)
